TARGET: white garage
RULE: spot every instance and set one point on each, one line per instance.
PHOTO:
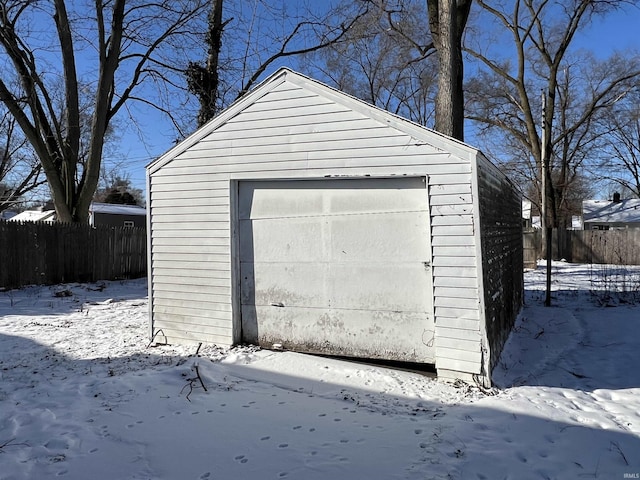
(304, 217)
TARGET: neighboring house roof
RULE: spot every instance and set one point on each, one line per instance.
(117, 209)
(35, 216)
(606, 211)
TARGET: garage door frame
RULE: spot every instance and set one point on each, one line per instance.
(428, 337)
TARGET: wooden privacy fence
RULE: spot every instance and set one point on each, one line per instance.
(617, 247)
(531, 247)
(48, 253)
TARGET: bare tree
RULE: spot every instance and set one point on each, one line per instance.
(257, 38)
(621, 157)
(506, 95)
(121, 46)
(386, 59)
(20, 171)
(119, 189)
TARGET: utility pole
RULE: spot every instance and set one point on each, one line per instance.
(546, 228)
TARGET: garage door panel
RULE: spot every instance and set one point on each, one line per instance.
(291, 240)
(344, 286)
(375, 196)
(380, 237)
(366, 334)
(382, 286)
(269, 200)
(350, 238)
(301, 198)
(297, 285)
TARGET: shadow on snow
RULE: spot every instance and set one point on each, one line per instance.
(371, 432)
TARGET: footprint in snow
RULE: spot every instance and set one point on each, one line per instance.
(57, 444)
(520, 456)
(241, 458)
(204, 476)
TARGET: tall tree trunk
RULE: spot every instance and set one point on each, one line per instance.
(447, 20)
(204, 81)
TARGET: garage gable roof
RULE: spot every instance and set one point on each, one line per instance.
(430, 137)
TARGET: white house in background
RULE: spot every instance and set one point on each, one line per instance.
(117, 215)
(303, 218)
(613, 214)
(39, 215)
(100, 214)
(528, 219)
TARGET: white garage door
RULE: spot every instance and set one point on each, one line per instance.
(338, 267)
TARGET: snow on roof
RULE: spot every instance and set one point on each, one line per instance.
(624, 211)
(35, 216)
(117, 209)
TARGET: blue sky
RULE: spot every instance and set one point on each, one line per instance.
(617, 31)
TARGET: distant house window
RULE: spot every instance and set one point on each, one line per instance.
(128, 223)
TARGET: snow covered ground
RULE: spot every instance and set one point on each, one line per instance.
(83, 396)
